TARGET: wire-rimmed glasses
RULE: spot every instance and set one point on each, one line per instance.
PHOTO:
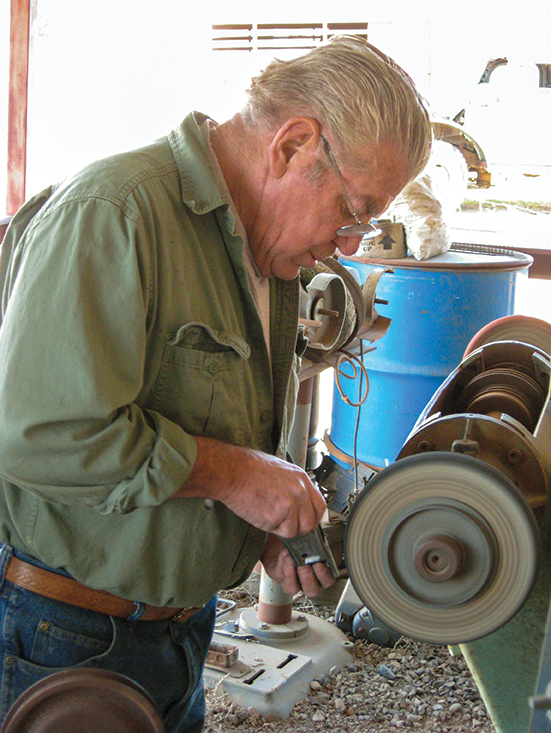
(360, 228)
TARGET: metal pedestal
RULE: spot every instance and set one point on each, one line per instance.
(277, 662)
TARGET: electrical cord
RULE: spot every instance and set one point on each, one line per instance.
(358, 368)
(356, 427)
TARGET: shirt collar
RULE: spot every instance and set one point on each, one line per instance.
(201, 190)
(203, 187)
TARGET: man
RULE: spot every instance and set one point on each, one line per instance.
(148, 369)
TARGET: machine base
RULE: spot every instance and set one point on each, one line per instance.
(273, 672)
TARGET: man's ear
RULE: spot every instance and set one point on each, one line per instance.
(298, 135)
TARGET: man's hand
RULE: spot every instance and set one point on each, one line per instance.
(269, 493)
(309, 579)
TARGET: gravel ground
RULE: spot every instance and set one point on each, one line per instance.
(411, 686)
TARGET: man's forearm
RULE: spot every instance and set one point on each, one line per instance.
(269, 493)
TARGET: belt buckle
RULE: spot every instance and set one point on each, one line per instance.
(181, 615)
(178, 616)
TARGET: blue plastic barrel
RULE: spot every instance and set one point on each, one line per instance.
(436, 307)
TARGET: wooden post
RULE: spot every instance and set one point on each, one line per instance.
(17, 106)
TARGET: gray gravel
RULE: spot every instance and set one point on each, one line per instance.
(411, 686)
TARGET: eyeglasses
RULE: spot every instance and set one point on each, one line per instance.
(360, 228)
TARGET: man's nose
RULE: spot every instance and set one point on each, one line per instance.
(348, 246)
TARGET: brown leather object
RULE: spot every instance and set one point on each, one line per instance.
(67, 590)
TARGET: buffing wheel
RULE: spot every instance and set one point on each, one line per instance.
(442, 547)
(527, 329)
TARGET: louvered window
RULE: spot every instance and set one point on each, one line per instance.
(275, 37)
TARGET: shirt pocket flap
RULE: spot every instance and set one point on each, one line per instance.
(201, 337)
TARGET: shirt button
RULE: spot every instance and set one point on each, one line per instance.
(214, 367)
(265, 417)
(192, 335)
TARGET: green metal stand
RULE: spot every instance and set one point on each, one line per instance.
(506, 664)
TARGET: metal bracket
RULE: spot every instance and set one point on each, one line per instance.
(311, 548)
(225, 657)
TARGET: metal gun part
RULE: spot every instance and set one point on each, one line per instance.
(310, 548)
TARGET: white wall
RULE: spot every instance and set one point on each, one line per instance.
(114, 74)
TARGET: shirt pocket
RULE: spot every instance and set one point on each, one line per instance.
(204, 382)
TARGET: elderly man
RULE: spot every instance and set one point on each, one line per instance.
(148, 369)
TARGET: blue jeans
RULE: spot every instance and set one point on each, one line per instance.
(41, 636)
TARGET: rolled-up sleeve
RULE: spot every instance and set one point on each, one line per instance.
(73, 344)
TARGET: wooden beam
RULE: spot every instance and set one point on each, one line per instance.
(541, 268)
(17, 106)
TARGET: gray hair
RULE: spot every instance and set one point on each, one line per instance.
(361, 97)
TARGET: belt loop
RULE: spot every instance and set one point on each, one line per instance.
(138, 613)
(6, 552)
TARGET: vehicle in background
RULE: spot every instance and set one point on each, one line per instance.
(509, 113)
(473, 156)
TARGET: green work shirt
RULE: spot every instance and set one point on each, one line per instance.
(127, 329)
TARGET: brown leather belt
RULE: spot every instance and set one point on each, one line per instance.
(67, 590)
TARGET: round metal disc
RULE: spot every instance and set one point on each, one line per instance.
(83, 700)
(442, 547)
(501, 390)
(529, 330)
